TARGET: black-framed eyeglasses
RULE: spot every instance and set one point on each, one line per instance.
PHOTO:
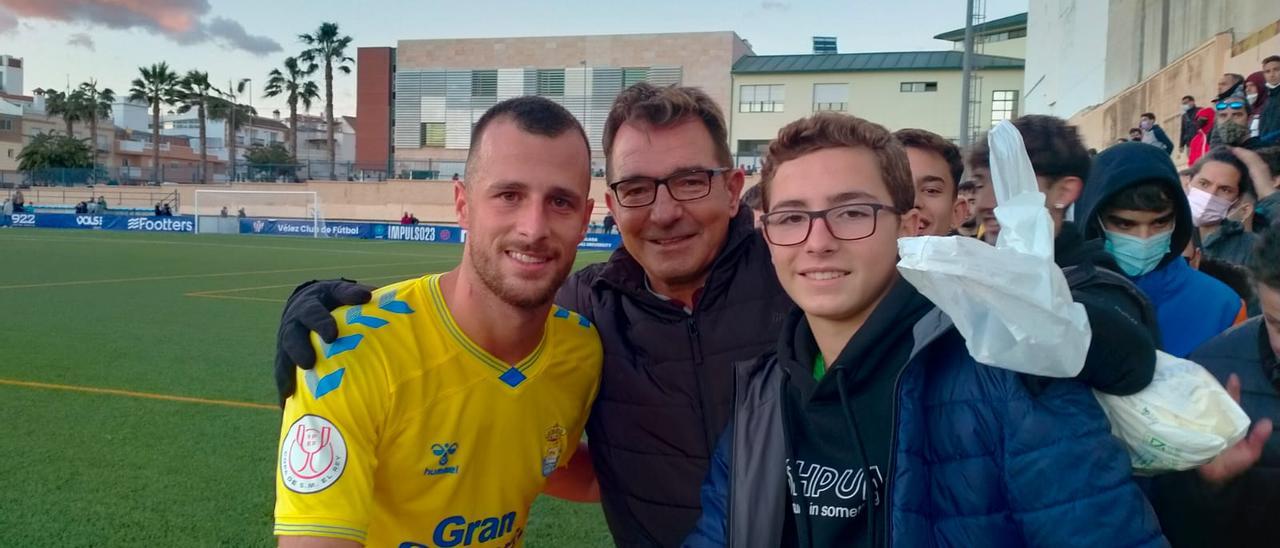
(844, 222)
(684, 186)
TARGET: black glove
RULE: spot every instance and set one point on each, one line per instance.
(307, 310)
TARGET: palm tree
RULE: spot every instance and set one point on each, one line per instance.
(194, 92)
(70, 106)
(157, 86)
(235, 116)
(48, 151)
(98, 107)
(295, 85)
(328, 45)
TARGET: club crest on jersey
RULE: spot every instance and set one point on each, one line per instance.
(552, 449)
(313, 455)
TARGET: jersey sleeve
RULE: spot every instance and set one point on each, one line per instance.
(589, 353)
(329, 438)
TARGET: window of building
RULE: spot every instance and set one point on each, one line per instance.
(1004, 105)
(752, 147)
(634, 75)
(834, 97)
(917, 87)
(432, 134)
(484, 83)
(761, 98)
(6, 125)
(550, 82)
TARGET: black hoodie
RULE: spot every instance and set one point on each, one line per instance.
(1125, 166)
(839, 430)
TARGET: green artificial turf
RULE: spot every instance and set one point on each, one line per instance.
(172, 314)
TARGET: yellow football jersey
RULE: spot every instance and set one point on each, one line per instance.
(409, 434)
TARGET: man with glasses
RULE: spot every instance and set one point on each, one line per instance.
(871, 424)
(1231, 122)
(690, 294)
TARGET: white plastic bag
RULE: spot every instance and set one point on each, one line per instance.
(1010, 302)
(1182, 420)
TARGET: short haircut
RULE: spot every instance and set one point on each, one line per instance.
(966, 186)
(1053, 145)
(1264, 264)
(1151, 196)
(1224, 155)
(1237, 77)
(754, 197)
(1148, 115)
(532, 114)
(1135, 130)
(665, 107)
(831, 130)
(1271, 59)
(1185, 97)
(932, 142)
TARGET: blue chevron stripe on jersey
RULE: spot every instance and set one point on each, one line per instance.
(341, 344)
(389, 303)
(355, 316)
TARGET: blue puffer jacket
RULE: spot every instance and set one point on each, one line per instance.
(978, 461)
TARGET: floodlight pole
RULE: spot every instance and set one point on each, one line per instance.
(966, 76)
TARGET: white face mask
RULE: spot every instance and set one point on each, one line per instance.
(1251, 97)
(1272, 86)
(1207, 209)
(1186, 108)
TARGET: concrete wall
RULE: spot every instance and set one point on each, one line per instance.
(430, 201)
(1073, 43)
(1066, 55)
(1195, 73)
(875, 96)
(1016, 47)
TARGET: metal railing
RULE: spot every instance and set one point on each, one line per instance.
(117, 201)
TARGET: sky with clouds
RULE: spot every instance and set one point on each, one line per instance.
(106, 40)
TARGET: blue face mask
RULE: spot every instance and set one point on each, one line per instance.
(1138, 256)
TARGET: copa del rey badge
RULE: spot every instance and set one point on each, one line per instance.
(552, 449)
(313, 455)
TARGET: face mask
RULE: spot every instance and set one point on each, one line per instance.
(1145, 124)
(1273, 86)
(1251, 97)
(1137, 256)
(1186, 108)
(1207, 209)
(1229, 133)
